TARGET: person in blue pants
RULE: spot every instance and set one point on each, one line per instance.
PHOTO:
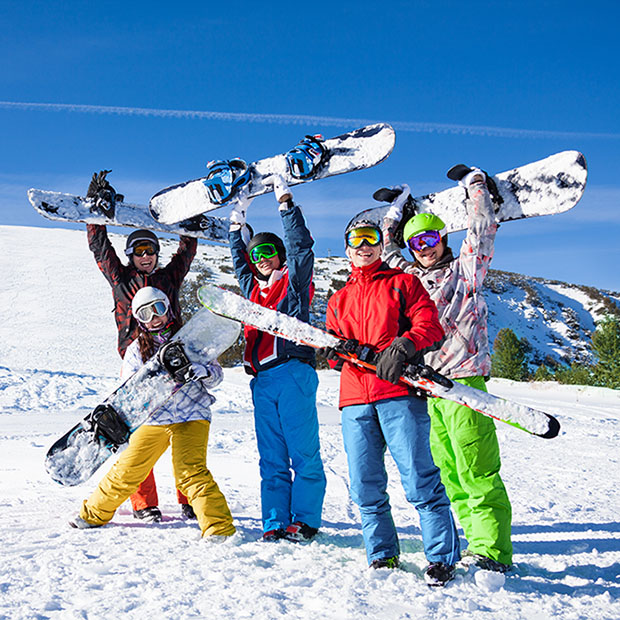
(389, 312)
(278, 274)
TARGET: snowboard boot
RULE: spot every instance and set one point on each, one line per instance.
(300, 532)
(465, 176)
(274, 535)
(151, 514)
(437, 574)
(80, 524)
(482, 561)
(187, 512)
(392, 562)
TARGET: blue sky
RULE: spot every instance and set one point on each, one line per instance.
(545, 73)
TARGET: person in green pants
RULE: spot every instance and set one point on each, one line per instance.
(463, 442)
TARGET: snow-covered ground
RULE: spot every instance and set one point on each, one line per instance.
(58, 359)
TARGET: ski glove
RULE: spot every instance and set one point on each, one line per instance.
(395, 212)
(196, 372)
(392, 361)
(283, 194)
(103, 195)
(238, 212)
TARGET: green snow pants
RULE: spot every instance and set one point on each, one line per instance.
(465, 448)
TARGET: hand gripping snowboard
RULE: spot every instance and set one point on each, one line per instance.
(70, 208)
(356, 150)
(418, 376)
(77, 455)
(551, 185)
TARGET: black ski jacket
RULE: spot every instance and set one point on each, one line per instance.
(126, 280)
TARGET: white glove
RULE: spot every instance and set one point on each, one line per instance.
(395, 212)
(239, 210)
(196, 372)
(281, 190)
(476, 175)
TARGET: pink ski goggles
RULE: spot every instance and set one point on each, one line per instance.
(428, 238)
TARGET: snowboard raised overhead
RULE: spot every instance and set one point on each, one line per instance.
(552, 185)
(77, 455)
(70, 208)
(356, 150)
(417, 376)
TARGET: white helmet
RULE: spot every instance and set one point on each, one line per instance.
(149, 302)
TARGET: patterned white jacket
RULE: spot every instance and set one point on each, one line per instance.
(455, 285)
(191, 402)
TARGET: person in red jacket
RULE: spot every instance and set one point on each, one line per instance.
(142, 250)
(390, 312)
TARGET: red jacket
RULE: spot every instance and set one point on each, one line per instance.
(376, 305)
(263, 350)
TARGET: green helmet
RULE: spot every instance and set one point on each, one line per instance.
(423, 222)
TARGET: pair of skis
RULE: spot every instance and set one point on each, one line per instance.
(233, 306)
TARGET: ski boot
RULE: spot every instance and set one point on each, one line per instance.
(274, 535)
(306, 158)
(484, 562)
(150, 514)
(80, 524)
(300, 532)
(392, 562)
(187, 512)
(437, 574)
(466, 176)
(224, 179)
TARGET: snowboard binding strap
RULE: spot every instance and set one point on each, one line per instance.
(307, 157)
(173, 358)
(106, 423)
(225, 177)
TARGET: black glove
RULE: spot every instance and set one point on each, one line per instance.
(344, 346)
(392, 361)
(104, 196)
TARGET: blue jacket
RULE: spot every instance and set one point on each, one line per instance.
(289, 291)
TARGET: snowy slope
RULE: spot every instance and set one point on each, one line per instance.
(58, 358)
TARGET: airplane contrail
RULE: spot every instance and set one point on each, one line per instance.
(306, 119)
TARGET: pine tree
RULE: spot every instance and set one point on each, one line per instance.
(606, 347)
(543, 374)
(575, 374)
(508, 359)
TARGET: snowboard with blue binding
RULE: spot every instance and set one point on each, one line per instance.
(312, 159)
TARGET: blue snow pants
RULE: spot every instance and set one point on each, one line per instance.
(287, 432)
(402, 425)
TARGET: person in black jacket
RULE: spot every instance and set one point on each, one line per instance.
(142, 249)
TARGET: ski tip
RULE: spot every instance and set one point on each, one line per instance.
(553, 430)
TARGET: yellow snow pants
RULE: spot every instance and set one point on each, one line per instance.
(189, 462)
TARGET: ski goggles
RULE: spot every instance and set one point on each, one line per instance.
(428, 238)
(140, 249)
(263, 250)
(145, 314)
(367, 234)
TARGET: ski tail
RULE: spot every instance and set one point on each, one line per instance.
(421, 377)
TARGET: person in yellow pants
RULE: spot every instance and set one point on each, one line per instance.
(183, 423)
